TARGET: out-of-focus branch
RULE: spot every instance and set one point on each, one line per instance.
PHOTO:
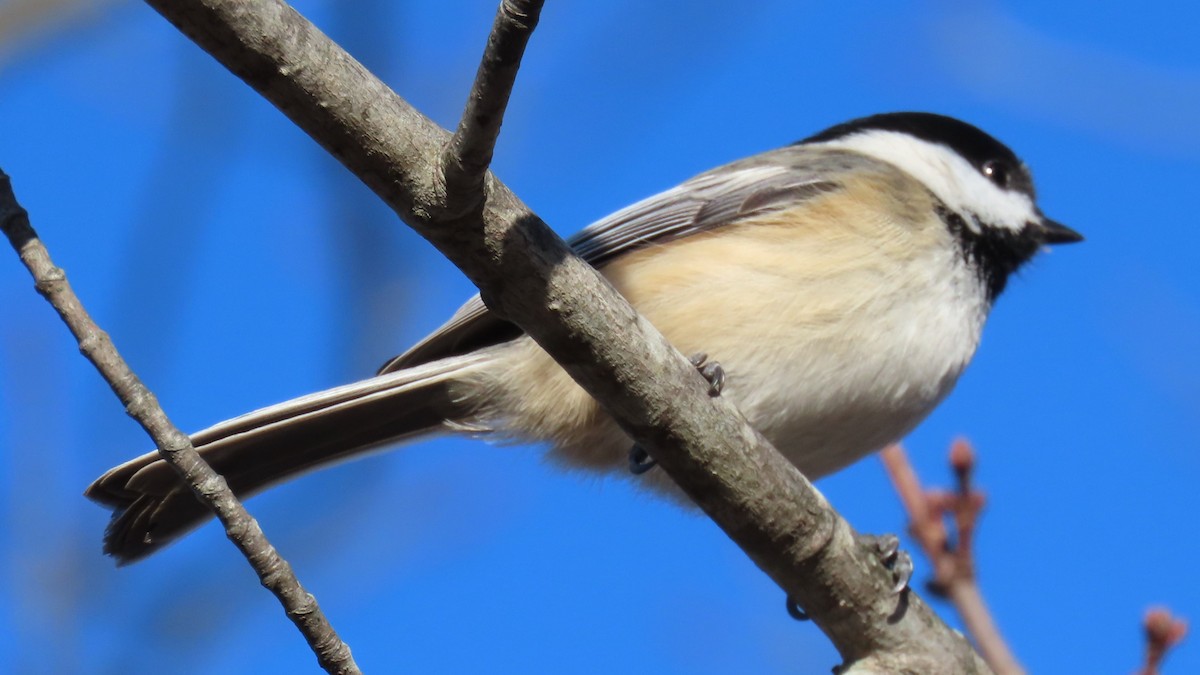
(210, 488)
(1163, 632)
(952, 557)
(26, 23)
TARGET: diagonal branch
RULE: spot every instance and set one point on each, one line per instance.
(527, 274)
(209, 487)
(466, 157)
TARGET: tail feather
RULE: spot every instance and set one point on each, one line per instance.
(152, 507)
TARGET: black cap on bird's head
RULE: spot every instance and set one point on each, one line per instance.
(996, 218)
(970, 142)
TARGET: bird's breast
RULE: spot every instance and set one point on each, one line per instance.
(834, 345)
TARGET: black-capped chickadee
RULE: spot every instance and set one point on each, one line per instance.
(841, 282)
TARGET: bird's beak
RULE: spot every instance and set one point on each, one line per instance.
(1056, 233)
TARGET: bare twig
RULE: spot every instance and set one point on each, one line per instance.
(209, 487)
(952, 558)
(527, 274)
(1163, 632)
(468, 154)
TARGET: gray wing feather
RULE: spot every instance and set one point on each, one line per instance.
(772, 181)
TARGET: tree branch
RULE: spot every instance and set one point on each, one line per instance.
(209, 487)
(466, 157)
(527, 274)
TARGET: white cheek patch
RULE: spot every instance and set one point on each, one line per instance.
(950, 177)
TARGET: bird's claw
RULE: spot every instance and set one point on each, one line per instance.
(794, 611)
(710, 371)
(887, 547)
(640, 461)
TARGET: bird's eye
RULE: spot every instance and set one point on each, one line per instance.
(997, 172)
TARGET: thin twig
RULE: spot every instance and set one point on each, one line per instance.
(468, 154)
(1163, 632)
(952, 558)
(209, 487)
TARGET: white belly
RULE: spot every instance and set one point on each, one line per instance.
(844, 395)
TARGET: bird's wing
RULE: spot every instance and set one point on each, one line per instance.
(768, 182)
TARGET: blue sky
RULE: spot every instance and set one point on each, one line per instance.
(236, 266)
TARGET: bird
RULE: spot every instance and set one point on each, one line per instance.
(833, 289)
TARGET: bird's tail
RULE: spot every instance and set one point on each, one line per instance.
(152, 507)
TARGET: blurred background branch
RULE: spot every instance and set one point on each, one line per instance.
(26, 24)
(1163, 633)
(952, 556)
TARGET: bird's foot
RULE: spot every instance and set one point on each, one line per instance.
(640, 461)
(794, 611)
(711, 371)
(887, 547)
